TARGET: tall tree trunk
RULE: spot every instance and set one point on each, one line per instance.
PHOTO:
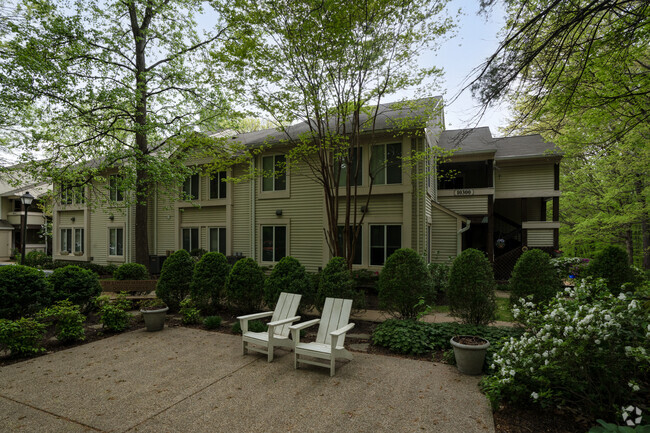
(629, 244)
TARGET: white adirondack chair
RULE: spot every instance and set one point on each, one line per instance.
(278, 333)
(331, 336)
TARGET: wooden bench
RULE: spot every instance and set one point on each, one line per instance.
(138, 290)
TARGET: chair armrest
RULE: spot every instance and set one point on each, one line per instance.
(283, 321)
(304, 325)
(343, 330)
(255, 316)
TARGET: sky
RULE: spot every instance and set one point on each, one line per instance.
(475, 40)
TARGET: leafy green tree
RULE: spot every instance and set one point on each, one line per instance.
(330, 65)
(209, 280)
(113, 84)
(175, 278)
(245, 286)
(534, 275)
(471, 288)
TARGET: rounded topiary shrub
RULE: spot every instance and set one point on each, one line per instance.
(611, 263)
(471, 288)
(288, 275)
(23, 290)
(336, 282)
(534, 275)
(245, 286)
(402, 282)
(80, 286)
(209, 280)
(37, 259)
(131, 271)
(175, 278)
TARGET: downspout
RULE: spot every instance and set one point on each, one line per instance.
(252, 210)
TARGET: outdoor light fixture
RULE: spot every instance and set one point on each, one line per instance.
(111, 217)
(73, 219)
(26, 199)
(278, 212)
(364, 209)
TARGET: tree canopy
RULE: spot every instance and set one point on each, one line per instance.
(91, 85)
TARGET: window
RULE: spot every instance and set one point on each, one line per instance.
(191, 187)
(72, 194)
(190, 239)
(114, 189)
(116, 242)
(275, 164)
(384, 240)
(357, 245)
(218, 239)
(385, 163)
(78, 240)
(218, 186)
(355, 158)
(66, 240)
(274, 243)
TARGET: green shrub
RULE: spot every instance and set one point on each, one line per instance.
(212, 322)
(68, 320)
(198, 253)
(209, 280)
(534, 275)
(245, 286)
(23, 290)
(175, 278)
(288, 275)
(21, 337)
(131, 271)
(103, 270)
(402, 282)
(471, 288)
(365, 278)
(113, 316)
(587, 343)
(78, 285)
(409, 337)
(336, 282)
(253, 326)
(612, 264)
(190, 315)
(439, 276)
(37, 259)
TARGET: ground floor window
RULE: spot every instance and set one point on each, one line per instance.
(357, 246)
(384, 240)
(190, 238)
(78, 240)
(274, 243)
(66, 240)
(218, 239)
(116, 242)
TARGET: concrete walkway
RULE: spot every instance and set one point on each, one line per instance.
(188, 380)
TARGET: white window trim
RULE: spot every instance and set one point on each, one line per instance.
(209, 238)
(197, 196)
(115, 257)
(181, 237)
(210, 187)
(384, 225)
(385, 165)
(117, 189)
(276, 222)
(283, 193)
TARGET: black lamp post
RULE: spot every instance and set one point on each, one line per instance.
(26, 199)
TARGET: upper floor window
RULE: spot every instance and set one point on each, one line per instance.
(384, 241)
(275, 175)
(356, 171)
(458, 175)
(218, 186)
(191, 187)
(72, 194)
(385, 163)
(114, 189)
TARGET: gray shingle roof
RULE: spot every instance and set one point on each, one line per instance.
(480, 140)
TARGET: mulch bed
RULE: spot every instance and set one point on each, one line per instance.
(507, 419)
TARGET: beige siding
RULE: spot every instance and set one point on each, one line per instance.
(65, 218)
(241, 217)
(522, 178)
(443, 236)
(472, 205)
(166, 230)
(385, 206)
(540, 238)
(204, 216)
(303, 211)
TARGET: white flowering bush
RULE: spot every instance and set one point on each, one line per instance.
(588, 351)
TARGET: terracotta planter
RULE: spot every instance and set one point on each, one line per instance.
(154, 320)
(469, 354)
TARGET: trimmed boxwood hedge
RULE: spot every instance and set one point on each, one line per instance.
(175, 278)
(23, 290)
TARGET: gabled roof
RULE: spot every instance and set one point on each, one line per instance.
(480, 140)
(396, 115)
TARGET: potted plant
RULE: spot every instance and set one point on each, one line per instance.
(469, 352)
(154, 312)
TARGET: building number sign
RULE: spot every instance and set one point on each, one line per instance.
(463, 192)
